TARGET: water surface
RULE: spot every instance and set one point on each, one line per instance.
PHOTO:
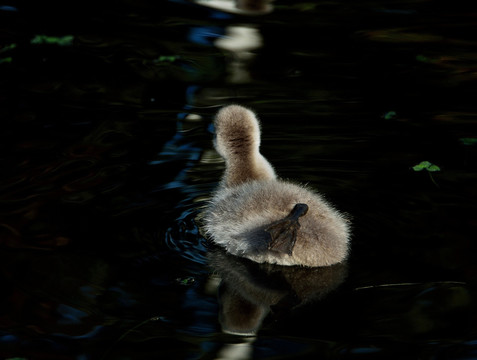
(107, 159)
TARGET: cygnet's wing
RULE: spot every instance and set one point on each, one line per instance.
(283, 235)
(283, 232)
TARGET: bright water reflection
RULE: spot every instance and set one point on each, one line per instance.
(244, 7)
(106, 161)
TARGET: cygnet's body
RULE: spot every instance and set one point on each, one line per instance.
(257, 216)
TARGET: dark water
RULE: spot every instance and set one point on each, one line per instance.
(106, 160)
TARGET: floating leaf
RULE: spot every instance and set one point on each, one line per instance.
(5, 60)
(421, 166)
(468, 141)
(166, 59)
(390, 115)
(7, 48)
(425, 59)
(433, 168)
(61, 41)
(426, 165)
(186, 281)
(4, 50)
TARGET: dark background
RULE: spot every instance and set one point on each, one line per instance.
(103, 172)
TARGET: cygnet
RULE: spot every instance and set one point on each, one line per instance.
(254, 214)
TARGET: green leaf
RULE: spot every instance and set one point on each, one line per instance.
(425, 59)
(468, 141)
(166, 59)
(433, 168)
(7, 48)
(5, 60)
(390, 115)
(421, 166)
(61, 41)
(186, 281)
(426, 165)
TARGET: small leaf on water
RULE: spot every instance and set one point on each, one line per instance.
(390, 115)
(468, 141)
(186, 281)
(426, 165)
(425, 59)
(421, 166)
(66, 40)
(433, 168)
(166, 59)
(7, 48)
(422, 58)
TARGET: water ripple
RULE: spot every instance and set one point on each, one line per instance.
(185, 239)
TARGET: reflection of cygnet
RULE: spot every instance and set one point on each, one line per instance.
(255, 215)
(246, 7)
(255, 6)
(240, 42)
(248, 291)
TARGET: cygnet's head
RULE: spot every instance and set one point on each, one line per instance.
(237, 132)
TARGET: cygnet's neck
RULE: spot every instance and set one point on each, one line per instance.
(247, 167)
(238, 141)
